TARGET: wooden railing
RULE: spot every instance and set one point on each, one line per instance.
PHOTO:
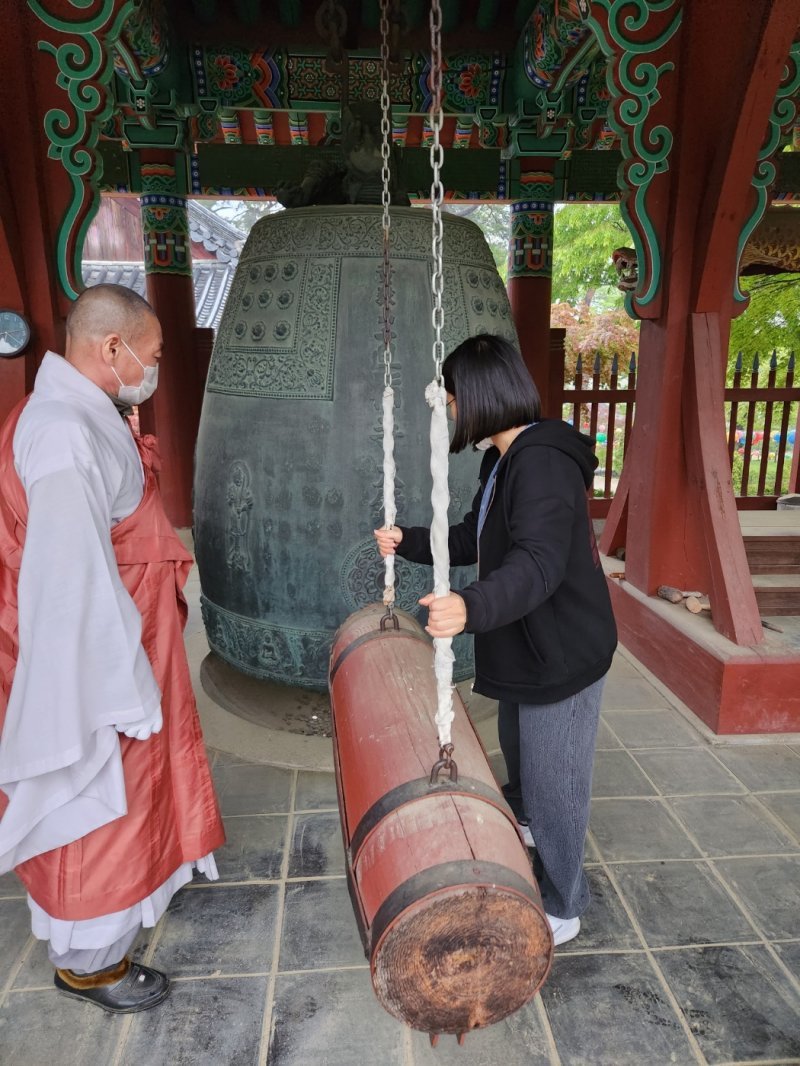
(605, 412)
(762, 423)
(762, 432)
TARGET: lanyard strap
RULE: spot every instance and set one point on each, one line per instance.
(486, 499)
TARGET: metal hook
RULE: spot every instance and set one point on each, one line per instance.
(445, 762)
(390, 616)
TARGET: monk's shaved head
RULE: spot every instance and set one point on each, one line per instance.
(105, 309)
(112, 333)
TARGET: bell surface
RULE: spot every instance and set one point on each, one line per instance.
(289, 461)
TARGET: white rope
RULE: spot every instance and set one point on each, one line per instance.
(437, 399)
(443, 657)
(389, 505)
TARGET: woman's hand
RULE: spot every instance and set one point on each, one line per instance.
(388, 539)
(447, 615)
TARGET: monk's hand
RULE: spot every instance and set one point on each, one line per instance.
(388, 539)
(447, 615)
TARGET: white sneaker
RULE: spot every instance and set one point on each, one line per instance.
(527, 838)
(564, 929)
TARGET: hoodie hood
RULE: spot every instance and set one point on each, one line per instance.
(552, 433)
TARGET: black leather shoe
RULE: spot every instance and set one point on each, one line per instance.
(123, 989)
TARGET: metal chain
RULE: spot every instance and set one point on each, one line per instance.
(435, 394)
(437, 190)
(386, 135)
(389, 469)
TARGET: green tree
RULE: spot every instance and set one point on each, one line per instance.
(584, 236)
(771, 321)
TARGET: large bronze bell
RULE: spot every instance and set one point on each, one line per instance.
(288, 482)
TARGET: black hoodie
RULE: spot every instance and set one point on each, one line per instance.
(540, 609)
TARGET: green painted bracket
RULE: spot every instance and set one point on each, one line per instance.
(632, 79)
(782, 119)
(85, 69)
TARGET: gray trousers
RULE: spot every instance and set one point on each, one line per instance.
(90, 960)
(549, 752)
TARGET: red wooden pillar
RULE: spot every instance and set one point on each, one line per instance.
(174, 412)
(35, 192)
(675, 511)
(530, 274)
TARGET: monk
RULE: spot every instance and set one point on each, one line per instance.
(106, 800)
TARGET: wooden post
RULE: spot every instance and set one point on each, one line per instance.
(35, 192)
(174, 412)
(530, 274)
(675, 511)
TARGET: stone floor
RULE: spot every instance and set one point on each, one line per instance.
(690, 952)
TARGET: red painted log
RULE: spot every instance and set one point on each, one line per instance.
(448, 909)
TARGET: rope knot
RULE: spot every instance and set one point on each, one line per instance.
(435, 394)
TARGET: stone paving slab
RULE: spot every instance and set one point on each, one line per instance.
(680, 903)
(254, 849)
(523, 1039)
(737, 1001)
(631, 829)
(606, 1008)
(682, 772)
(319, 931)
(40, 1028)
(209, 1021)
(786, 807)
(689, 952)
(332, 1018)
(221, 929)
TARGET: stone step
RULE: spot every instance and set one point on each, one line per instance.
(777, 593)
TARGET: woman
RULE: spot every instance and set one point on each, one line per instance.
(540, 609)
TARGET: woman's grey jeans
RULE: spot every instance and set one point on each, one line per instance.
(549, 752)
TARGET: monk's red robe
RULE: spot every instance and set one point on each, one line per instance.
(173, 816)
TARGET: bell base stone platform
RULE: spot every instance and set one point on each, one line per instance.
(266, 722)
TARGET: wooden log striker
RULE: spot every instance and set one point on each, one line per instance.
(448, 909)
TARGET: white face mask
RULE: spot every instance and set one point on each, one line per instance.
(136, 394)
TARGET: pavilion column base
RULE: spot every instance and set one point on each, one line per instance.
(732, 689)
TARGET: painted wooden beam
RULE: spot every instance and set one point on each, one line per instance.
(748, 98)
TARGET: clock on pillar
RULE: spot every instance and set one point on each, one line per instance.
(15, 334)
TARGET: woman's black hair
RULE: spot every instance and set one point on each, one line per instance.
(492, 388)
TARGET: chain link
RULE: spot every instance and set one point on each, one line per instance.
(437, 190)
(386, 141)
